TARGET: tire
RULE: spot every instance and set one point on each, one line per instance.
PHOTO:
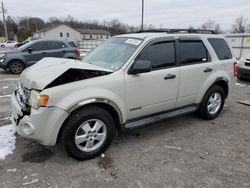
(215, 98)
(78, 133)
(2, 46)
(16, 67)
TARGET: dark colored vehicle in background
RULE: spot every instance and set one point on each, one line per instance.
(244, 68)
(28, 54)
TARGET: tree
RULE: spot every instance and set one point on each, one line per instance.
(53, 21)
(211, 25)
(116, 27)
(11, 27)
(31, 23)
(23, 34)
(240, 25)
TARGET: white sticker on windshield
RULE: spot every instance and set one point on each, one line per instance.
(133, 41)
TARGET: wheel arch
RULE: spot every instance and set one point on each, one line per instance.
(16, 59)
(220, 81)
(223, 83)
(106, 104)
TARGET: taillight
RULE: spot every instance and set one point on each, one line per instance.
(235, 68)
(77, 52)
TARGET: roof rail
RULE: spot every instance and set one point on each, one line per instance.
(199, 31)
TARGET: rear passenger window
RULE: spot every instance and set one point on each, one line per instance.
(193, 52)
(160, 54)
(56, 45)
(221, 48)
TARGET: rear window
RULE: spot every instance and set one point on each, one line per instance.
(53, 45)
(193, 52)
(221, 48)
(72, 44)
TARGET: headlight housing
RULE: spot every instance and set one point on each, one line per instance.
(36, 100)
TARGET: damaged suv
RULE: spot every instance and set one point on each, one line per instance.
(127, 82)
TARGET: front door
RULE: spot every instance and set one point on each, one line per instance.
(36, 52)
(155, 91)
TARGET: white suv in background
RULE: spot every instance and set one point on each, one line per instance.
(8, 44)
(127, 82)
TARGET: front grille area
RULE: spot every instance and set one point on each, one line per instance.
(22, 95)
(247, 64)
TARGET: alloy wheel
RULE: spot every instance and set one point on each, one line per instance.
(90, 135)
(214, 103)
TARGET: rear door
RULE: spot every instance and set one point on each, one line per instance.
(155, 91)
(195, 69)
(57, 49)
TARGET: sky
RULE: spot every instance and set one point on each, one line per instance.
(160, 13)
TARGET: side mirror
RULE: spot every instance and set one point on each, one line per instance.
(141, 66)
(30, 50)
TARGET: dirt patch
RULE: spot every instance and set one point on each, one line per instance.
(105, 162)
(38, 156)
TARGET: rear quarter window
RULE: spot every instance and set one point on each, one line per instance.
(221, 48)
(72, 44)
(193, 52)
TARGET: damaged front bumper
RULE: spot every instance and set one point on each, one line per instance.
(41, 125)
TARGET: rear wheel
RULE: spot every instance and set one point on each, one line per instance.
(16, 67)
(2, 46)
(212, 103)
(88, 132)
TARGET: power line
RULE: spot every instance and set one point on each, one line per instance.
(142, 15)
(4, 11)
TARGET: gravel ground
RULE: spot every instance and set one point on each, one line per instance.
(179, 152)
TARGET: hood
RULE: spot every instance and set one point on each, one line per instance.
(50, 72)
(9, 51)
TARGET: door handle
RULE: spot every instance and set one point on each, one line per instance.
(169, 76)
(44, 52)
(208, 69)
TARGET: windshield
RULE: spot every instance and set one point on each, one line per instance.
(26, 45)
(113, 53)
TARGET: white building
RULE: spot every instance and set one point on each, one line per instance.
(84, 38)
(240, 43)
(61, 32)
(91, 38)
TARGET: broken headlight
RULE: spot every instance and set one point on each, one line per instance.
(36, 100)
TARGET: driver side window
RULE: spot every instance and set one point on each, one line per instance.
(40, 46)
(161, 54)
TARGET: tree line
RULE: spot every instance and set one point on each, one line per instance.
(23, 27)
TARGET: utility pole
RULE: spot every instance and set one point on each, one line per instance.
(4, 22)
(142, 15)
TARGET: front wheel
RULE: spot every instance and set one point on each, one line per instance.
(212, 103)
(88, 132)
(2, 46)
(16, 67)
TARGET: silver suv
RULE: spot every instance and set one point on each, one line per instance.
(127, 82)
